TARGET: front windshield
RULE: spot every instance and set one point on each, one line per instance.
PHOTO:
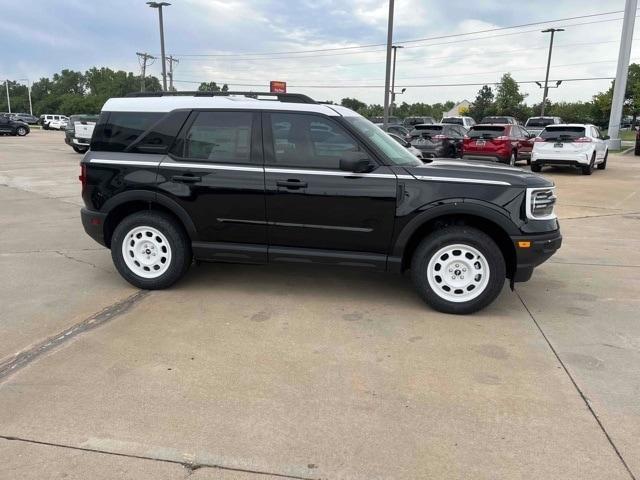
(392, 150)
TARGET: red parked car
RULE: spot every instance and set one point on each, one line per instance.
(499, 143)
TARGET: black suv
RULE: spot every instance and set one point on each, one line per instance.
(258, 178)
(8, 126)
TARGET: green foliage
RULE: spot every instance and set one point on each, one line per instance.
(354, 104)
(483, 105)
(70, 92)
(212, 87)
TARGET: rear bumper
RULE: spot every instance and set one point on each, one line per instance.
(488, 157)
(93, 223)
(542, 247)
(569, 159)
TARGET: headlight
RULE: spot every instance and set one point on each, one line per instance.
(540, 203)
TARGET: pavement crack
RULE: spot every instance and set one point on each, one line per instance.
(594, 264)
(18, 361)
(191, 467)
(585, 399)
(66, 255)
(599, 216)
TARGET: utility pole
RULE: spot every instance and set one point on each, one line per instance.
(29, 92)
(6, 82)
(171, 62)
(388, 69)
(546, 78)
(393, 78)
(620, 85)
(142, 58)
(159, 6)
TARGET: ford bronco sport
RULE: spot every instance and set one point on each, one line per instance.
(259, 178)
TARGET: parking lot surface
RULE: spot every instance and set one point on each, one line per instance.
(249, 372)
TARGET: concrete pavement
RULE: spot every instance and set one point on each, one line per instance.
(259, 372)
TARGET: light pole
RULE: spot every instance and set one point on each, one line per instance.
(622, 71)
(159, 6)
(8, 99)
(385, 120)
(29, 92)
(393, 78)
(546, 78)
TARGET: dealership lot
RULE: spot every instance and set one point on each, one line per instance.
(304, 372)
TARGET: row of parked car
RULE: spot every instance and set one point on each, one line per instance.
(541, 141)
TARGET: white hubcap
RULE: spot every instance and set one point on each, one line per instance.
(458, 273)
(146, 252)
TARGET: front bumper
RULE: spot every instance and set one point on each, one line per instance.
(93, 223)
(541, 248)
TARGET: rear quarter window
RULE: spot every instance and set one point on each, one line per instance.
(115, 131)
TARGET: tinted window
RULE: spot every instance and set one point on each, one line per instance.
(539, 122)
(485, 131)
(426, 130)
(310, 141)
(162, 134)
(223, 137)
(562, 133)
(115, 131)
(454, 120)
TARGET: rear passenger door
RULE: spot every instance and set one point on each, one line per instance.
(312, 204)
(215, 172)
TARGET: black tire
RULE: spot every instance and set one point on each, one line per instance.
(45, 126)
(464, 235)
(21, 131)
(603, 164)
(588, 169)
(536, 168)
(528, 161)
(180, 245)
(79, 149)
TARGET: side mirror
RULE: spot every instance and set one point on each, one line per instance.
(356, 164)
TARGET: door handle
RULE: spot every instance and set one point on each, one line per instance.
(292, 184)
(186, 178)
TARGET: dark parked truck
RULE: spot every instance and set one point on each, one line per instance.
(260, 178)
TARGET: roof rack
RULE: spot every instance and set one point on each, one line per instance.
(281, 97)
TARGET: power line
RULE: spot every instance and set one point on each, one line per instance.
(585, 79)
(439, 37)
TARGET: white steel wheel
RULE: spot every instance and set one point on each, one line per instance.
(458, 273)
(146, 251)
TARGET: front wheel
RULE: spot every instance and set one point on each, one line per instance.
(458, 270)
(150, 250)
(79, 149)
(536, 168)
(21, 131)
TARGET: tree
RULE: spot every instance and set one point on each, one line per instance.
(483, 104)
(212, 87)
(354, 104)
(509, 100)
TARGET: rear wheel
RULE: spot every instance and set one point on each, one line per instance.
(150, 250)
(79, 149)
(21, 131)
(588, 169)
(603, 164)
(458, 270)
(536, 168)
(512, 158)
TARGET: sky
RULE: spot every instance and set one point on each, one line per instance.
(241, 42)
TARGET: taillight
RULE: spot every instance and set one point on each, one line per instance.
(440, 137)
(583, 140)
(83, 175)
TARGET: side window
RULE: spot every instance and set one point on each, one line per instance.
(596, 132)
(221, 137)
(115, 131)
(301, 140)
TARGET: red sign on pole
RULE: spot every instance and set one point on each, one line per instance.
(277, 87)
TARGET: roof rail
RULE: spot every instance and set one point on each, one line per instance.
(281, 97)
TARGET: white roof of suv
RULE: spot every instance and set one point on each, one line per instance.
(239, 102)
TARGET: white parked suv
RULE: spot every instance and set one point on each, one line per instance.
(56, 122)
(574, 145)
(466, 122)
